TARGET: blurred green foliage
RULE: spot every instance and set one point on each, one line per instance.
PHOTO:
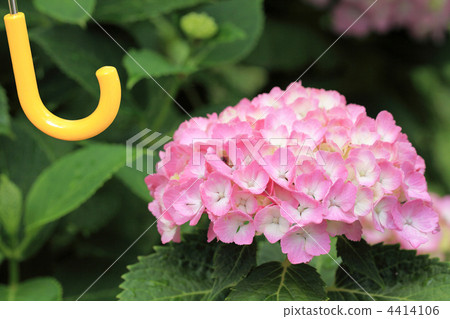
(80, 208)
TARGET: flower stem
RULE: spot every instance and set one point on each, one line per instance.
(13, 273)
(286, 263)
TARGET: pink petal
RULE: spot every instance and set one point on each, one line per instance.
(390, 176)
(364, 201)
(351, 231)
(416, 186)
(303, 210)
(386, 127)
(235, 227)
(419, 216)
(413, 236)
(281, 117)
(252, 178)
(276, 136)
(218, 164)
(281, 167)
(312, 128)
(318, 240)
(365, 166)
(338, 136)
(301, 244)
(293, 244)
(244, 202)
(269, 221)
(316, 184)
(364, 132)
(334, 165)
(211, 234)
(386, 214)
(216, 194)
(168, 230)
(154, 181)
(183, 202)
(155, 208)
(340, 201)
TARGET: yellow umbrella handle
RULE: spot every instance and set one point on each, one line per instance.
(30, 100)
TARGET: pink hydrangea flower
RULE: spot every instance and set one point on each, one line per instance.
(316, 185)
(340, 201)
(417, 220)
(414, 234)
(301, 244)
(352, 231)
(386, 214)
(295, 166)
(235, 227)
(216, 194)
(270, 222)
(302, 210)
(244, 202)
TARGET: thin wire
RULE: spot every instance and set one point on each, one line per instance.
(13, 7)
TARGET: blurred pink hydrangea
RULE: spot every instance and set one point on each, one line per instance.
(422, 18)
(296, 166)
(438, 242)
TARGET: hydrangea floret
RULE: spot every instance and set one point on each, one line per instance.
(295, 166)
(438, 243)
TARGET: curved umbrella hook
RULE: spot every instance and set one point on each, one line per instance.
(30, 100)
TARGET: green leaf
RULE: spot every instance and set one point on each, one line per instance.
(3, 12)
(78, 53)
(441, 153)
(66, 10)
(434, 87)
(274, 53)
(5, 126)
(358, 258)
(175, 272)
(150, 63)
(70, 181)
(93, 215)
(10, 205)
(229, 32)
(36, 289)
(247, 16)
(405, 276)
(325, 265)
(39, 148)
(127, 11)
(135, 181)
(145, 34)
(280, 282)
(428, 81)
(51, 147)
(246, 80)
(34, 240)
(231, 264)
(268, 252)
